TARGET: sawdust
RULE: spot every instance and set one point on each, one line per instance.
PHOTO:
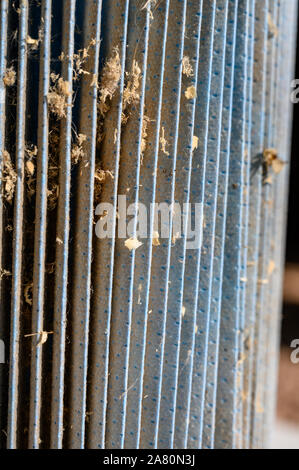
(9, 78)
(58, 96)
(9, 177)
(163, 142)
(190, 93)
(187, 67)
(109, 81)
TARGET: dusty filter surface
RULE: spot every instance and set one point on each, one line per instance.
(144, 151)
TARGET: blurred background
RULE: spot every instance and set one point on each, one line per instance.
(286, 432)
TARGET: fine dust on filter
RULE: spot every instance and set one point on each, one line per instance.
(9, 78)
(9, 177)
(133, 243)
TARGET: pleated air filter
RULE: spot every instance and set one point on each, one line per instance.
(144, 149)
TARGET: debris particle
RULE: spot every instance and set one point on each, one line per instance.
(133, 243)
(109, 81)
(30, 167)
(271, 267)
(28, 293)
(190, 93)
(58, 96)
(9, 177)
(263, 281)
(183, 311)
(59, 241)
(194, 142)
(33, 43)
(272, 28)
(43, 336)
(4, 273)
(77, 150)
(187, 67)
(9, 78)
(155, 239)
(148, 5)
(30, 157)
(163, 142)
(175, 237)
(100, 176)
(271, 160)
(145, 122)
(131, 93)
(94, 80)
